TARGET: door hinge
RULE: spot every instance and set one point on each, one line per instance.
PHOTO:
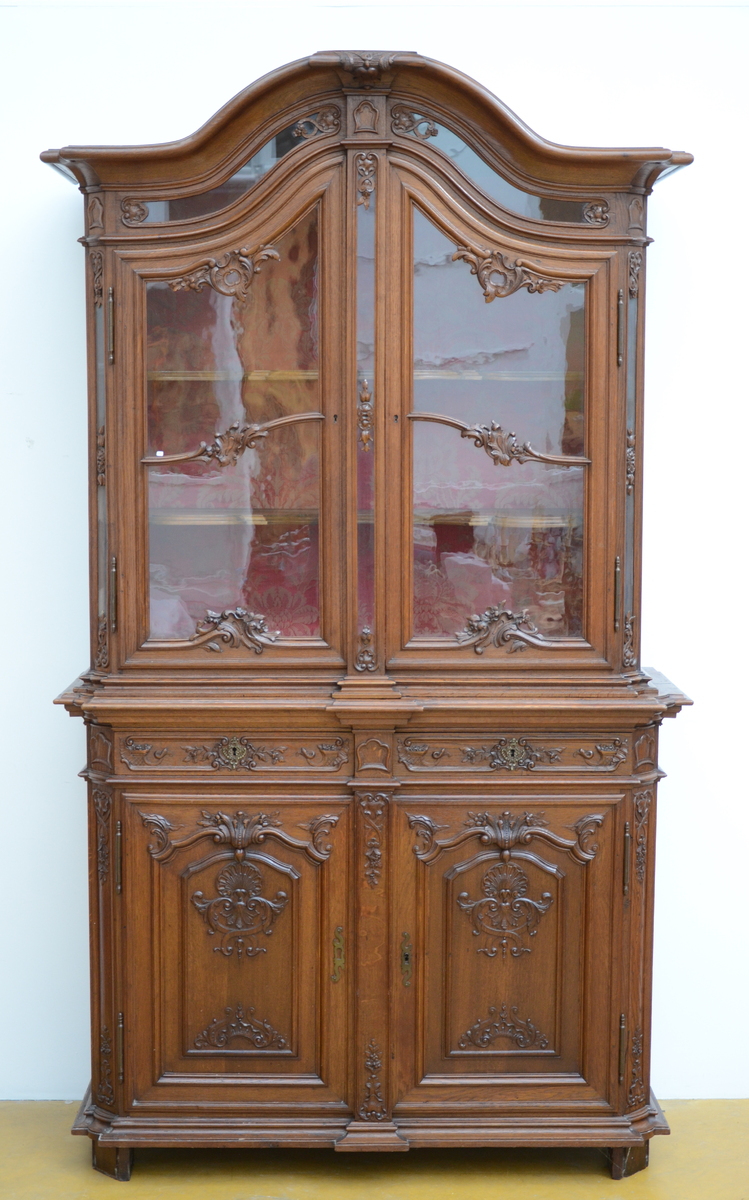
(113, 595)
(118, 858)
(407, 951)
(339, 954)
(110, 325)
(617, 593)
(622, 1046)
(120, 1047)
(627, 857)
(619, 327)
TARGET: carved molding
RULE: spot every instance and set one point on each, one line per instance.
(366, 177)
(596, 212)
(100, 750)
(238, 913)
(629, 654)
(134, 212)
(366, 67)
(366, 659)
(373, 755)
(365, 417)
(642, 800)
(95, 211)
(610, 754)
(231, 276)
(405, 120)
(504, 915)
(373, 1106)
(636, 211)
(637, 1093)
(96, 259)
(142, 754)
(645, 750)
(326, 121)
(503, 1024)
(500, 275)
(499, 627)
(239, 831)
(365, 117)
(101, 656)
(233, 753)
(102, 800)
(505, 832)
(236, 1024)
(234, 627)
(509, 754)
(105, 1090)
(373, 806)
(635, 265)
(631, 461)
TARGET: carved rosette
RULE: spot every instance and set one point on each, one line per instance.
(105, 1090)
(239, 914)
(326, 121)
(102, 801)
(503, 1024)
(635, 266)
(629, 654)
(505, 916)
(236, 1024)
(596, 212)
(499, 627)
(230, 276)
(134, 212)
(373, 806)
(404, 121)
(366, 177)
(643, 801)
(234, 627)
(500, 275)
(373, 1107)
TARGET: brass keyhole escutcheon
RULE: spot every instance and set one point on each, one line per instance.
(233, 753)
(406, 960)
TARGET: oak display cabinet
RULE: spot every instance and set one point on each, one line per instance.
(372, 763)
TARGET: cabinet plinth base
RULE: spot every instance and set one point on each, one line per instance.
(360, 1135)
(628, 1160)
(116, 1161)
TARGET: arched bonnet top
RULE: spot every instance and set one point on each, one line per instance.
(211, 153)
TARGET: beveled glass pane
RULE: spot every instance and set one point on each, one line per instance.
(246, 533)
(367, 398)
(487, 534)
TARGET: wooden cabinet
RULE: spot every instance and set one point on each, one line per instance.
(372, 761)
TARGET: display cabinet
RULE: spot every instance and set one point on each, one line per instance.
(372, 762)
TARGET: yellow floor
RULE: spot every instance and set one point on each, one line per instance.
(705, 1158)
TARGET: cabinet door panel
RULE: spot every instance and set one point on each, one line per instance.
(512, 899)
(232, 907)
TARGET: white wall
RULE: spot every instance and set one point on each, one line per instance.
(590, 75)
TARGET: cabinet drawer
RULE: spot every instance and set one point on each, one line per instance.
(486, 754)
(235, 754)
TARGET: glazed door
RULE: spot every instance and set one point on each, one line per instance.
(232, 999)
(509, 904)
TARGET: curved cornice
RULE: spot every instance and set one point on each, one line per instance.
(323, 76)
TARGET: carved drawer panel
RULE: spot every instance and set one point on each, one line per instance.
(489, 753)
(236, 754)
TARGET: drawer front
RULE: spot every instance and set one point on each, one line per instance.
(236, 754)
(514, 753)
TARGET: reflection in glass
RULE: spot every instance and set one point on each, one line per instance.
(544, 208)
(245, 534)
(486, 534)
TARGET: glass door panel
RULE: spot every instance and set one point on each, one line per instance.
(233, 411)
(498, 445)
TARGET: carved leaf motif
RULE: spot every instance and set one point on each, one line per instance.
(631, 461)
(643, 800)
(236, 1024)
(133, 212)
(635, 266)
(596, 212)
(327, 120)
(373, 1106)
(499, 275)
(505, 916)
(426, 829)
(503, 448)
(319, 828)
(142, 754)
(365, 417)
(416, 755)
(231, 276)
(506, 831)
(234, 627)
(102, 806)
(239, 831)
(366, 171)
(499, 627)
(234, 753)
(637, 1091)
(373, 806)
(333, 754)
(96, 259)
(239, 914)
(105, 1090)
(404, 120)
(101, 657)
(159, 827)
(501, 1024)
(610, 754)
(365, 656)
(507, 754)
(629, 654)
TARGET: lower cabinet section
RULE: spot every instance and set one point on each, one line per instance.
(371, 967)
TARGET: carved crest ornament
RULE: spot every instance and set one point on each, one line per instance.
(503, 1023)
(237, 1024)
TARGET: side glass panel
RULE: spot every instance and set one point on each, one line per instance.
(240, 527)
(365, 357)
(542, 208)
(495, 533)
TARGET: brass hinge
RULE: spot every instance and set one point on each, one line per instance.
(113, 595)
(110, 324)
(627, 857)
(118, 858)
(619, 327)
(622, 1046)
(339, 954)
(617, 593)
(406, 960)
(120, 1047)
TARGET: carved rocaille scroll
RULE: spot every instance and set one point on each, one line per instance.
(502, 446)
(239, 831)
(499, 275)
(227, 447)
(366, 177)
(509, 754)
(503, 1023)
(231, 276)
(326, 121)
(239, 914)
(499, 627)
(373, 806)
(237, 1024)
(404, 120)
(233, 753)
(373, 1107)
(234, 627)
(505, 916)
(505, 832)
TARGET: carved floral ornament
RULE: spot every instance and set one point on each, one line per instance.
(240, 832)
(237, 1024)
(503, 1024)
(505, 832)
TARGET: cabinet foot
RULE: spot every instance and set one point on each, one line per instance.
(628, 1160)
(116, 1161)
(360, 1135)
